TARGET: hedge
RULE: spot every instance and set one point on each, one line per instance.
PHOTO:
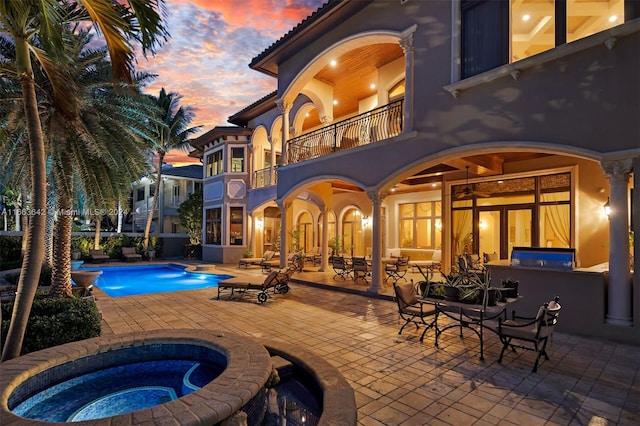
(55, 321)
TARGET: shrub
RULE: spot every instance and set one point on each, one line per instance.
(55, 321)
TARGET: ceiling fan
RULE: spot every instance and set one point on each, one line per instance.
(468, 190)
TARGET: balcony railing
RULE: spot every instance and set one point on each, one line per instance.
(373, 126)
(262, 178)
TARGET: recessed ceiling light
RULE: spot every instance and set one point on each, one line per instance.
(526, 17)
(500, 181)
(333, 63)
(613, 18)
(306, 115)
(373, 86)
(335, 102)
(433, 185)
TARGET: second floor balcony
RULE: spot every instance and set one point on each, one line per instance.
(373, 126)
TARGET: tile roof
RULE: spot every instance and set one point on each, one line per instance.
(192, 171)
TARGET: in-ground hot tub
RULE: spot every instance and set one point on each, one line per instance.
(217, 375)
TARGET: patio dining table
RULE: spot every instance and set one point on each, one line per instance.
(471, 316)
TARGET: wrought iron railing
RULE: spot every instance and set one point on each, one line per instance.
(262, 178)
(373, 126)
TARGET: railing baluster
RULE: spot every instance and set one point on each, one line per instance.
(379, 124)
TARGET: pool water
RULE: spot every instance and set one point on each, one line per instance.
(134, 280)
(118, 390)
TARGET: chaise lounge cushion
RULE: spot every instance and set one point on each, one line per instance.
(97, 255)
(129, 253)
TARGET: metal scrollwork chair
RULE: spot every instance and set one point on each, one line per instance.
(360, 268)
(533, 333)
(340, 267)
(411, 309)
(398, 270)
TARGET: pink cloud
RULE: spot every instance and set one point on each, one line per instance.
(212, 42)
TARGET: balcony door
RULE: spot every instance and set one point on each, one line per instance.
(502, 228)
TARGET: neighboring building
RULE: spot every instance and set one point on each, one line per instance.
(177, 184)
(473, 126)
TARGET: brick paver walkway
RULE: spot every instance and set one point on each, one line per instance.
(397, 379)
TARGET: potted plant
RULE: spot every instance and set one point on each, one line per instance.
(486, 295)
(451, 286)
(510, 288)
(247, 253)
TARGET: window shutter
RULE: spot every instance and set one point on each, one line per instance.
(485, 35)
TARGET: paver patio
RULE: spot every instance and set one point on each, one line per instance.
(397, 379)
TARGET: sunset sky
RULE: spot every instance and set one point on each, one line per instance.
(212, 42)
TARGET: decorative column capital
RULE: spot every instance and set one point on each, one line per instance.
(618, 170)
(325, 119)
(285, 106)
(283, 205)
(376, 197)
(406, 43)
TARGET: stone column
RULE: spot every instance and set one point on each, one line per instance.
(324, 241)
(619, 305)
(377, 271)
(285, 107)
(406, 42)
(284, 209)
(252, 234)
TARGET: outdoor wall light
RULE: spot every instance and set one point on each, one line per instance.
(607, 208)
(365, 221)
(259, 223)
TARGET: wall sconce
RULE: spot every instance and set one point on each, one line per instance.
(365, 221)
(483, 224)
(607, 208)
(259, 223)
(438, 225)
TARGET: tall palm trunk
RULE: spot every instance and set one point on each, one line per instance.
(61, 269)
(49, 227)
(96, 236)
(156, 193)
(32, 261)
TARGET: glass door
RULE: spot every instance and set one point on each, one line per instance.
(501, 229)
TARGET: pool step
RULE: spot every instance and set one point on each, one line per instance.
(282, 366)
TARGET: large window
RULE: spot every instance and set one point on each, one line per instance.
(496, 32)
(237, 160)
(420, 224)
(214, 226)
(236, 225)
(214, 163)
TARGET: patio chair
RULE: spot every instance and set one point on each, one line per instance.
(360, 268)
(97, 255)
(272, 261)
(340, 267)
(129, 254)
(411, 309)
(533, 333)
(398, 270)
(314, 256)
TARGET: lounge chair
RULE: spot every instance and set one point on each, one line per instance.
(248, 261)
(97, 255)
(533, 332)
(411, 309)
(276, 280)
(129, 254)
(269, 263)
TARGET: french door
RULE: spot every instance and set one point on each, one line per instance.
(502, 228)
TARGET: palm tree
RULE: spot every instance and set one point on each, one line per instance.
(100, 153)
(172, 131)
(35, 26)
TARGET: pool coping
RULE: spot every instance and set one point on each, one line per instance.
(248, 363)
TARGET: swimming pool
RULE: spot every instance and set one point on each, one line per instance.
(120, 281)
